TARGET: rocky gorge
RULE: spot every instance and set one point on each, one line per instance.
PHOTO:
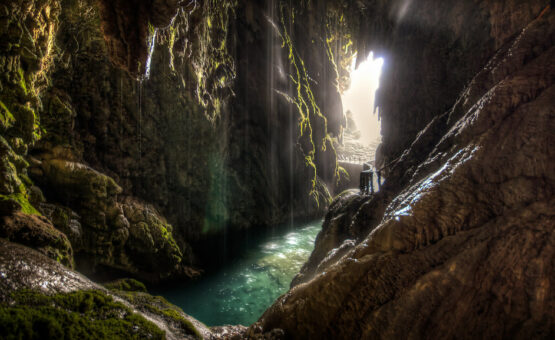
(140, 138)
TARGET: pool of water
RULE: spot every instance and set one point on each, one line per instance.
(241, 291)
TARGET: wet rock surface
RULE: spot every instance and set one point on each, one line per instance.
(466, 249)
(336, 237)
(22, 268)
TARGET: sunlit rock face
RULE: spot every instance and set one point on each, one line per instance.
(464, 247)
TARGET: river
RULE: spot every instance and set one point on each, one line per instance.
(241, 291)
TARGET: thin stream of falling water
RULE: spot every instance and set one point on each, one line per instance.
(273, 167)
(152, 44)
(120, 140)
(140, 119)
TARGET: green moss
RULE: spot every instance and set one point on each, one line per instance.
(176, 317)
(22, 82)
(208, 56)
(27, 122)
(20, 121)
(6, 117)
(168, 237)
(77, 315)
(161, 307)
(26, 180)
(171, 44)
(184, 323)
(22, 201)
(310, 114)
(126, 285)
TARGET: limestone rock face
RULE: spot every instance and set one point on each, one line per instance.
(336, 236)
(465, 249)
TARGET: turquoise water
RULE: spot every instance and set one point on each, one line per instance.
(243, 290)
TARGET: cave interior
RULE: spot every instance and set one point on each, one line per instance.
(194, 169)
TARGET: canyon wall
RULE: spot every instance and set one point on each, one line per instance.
(459, 241)
(145, 130)
(132, 132)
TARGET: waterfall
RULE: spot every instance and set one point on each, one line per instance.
(151, 44)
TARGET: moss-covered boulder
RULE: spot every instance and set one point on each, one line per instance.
(123, 234)
(151, 244)
(78, 184)
(37, 232)
(13, 181)
(65, 220)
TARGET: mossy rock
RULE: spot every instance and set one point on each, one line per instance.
(87, 191)
(6, 117)
(16, 202)
(58, 119)
(150, 238)
(80, 180)
(38, 233)
(77, 315)
(65, 220)
(19, 117)
(11, 168)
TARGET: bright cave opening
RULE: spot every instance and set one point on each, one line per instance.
(362, 135)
